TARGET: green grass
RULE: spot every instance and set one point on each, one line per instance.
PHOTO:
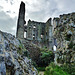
(41, 68)
(46, 57)
(53, 69)
(70, 68)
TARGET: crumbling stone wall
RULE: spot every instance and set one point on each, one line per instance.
(40, 33)
(35, 32)
(49, 34)
(64, 32)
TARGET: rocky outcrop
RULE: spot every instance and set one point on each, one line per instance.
(64, 32)
(11, 61)
(34, 50)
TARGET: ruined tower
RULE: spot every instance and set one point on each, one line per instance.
(21, 21)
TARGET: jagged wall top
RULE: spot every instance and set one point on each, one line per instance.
(22, 7)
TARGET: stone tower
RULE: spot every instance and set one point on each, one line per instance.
(21, 21)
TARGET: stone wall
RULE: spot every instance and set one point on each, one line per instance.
(35, 32)
(64, 33)
(40, 33)
(49, 34)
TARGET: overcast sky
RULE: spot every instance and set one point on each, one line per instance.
(38, 10)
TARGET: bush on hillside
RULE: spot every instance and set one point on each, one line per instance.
(46, 58)
(70, 68)
(53, 69)
(70, 46)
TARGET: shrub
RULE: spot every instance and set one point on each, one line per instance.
(53, 69)
(74, 47)
(70, 68)
(70, 46)
(41, 68)
(68, 37)
(34, 64)
(46, 57)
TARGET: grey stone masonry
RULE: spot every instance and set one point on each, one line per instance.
(21, 21)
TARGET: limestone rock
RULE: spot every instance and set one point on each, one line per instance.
(11, 62)
(64, 32)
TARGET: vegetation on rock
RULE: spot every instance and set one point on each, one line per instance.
(53, 69)
(46, 57)
(70, 68)
(70, 46)
(22, 50)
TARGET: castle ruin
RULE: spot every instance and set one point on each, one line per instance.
(36, 32)
(40, 33)
(43, 34)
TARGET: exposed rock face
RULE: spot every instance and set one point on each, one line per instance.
(64, 32)
(33, 49)
(11, 62)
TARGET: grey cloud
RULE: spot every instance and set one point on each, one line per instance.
(7, 23)
(44, 9)
(1, 7)
(11, 2)
(6, 0)
(8, 11)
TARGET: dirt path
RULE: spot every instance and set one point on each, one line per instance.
(41, 73)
